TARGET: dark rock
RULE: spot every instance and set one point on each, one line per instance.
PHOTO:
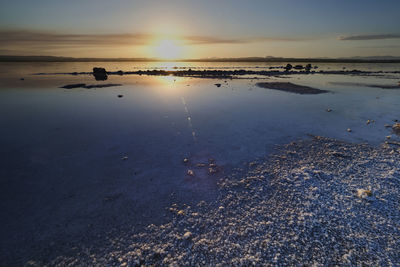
(100, 74)
(298, 67)
(288, 67)
(120, 96)
(218, 85)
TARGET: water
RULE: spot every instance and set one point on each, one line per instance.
(64, 172)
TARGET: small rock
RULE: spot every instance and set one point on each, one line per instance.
(120, 96)
(349, 130)
(190, 173)
(187, 235)
(218, 85)
(328, 110)
(22, 79)
(125, 158)
(364, 193)
(212, 170)
(185, 160)
(181, 212)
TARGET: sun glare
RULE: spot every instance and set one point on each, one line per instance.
(168, 49)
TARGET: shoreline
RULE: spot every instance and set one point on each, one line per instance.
(315, 201)
(224, 74)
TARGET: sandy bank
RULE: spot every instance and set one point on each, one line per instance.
(291, 88)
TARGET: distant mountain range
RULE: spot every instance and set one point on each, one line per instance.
(372, 59)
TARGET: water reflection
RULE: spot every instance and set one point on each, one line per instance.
(189, 119)
(62, 149)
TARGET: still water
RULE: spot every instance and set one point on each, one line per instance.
(77, 163)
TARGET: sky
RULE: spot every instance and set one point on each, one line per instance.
(200, 29)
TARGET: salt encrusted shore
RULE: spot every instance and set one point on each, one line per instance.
(314, 202)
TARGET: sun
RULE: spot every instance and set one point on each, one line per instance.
(168, 49)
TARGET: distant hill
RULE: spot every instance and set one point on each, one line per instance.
(374, 59)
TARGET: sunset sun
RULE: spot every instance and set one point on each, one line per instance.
(168, 49)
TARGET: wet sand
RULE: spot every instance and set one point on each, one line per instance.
(291, 88)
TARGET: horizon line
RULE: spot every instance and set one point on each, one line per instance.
(42, 58)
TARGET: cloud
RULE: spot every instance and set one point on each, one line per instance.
(50, 39)
(47, 38)
(216, 40)
(369, 37)
(380, 47)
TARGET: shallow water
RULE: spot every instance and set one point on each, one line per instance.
(64, 170)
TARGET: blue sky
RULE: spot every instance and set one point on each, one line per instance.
(226, 28)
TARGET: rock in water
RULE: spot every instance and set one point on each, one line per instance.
(288, 67)
(100, 74)
(396, 128)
